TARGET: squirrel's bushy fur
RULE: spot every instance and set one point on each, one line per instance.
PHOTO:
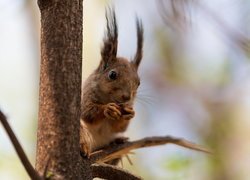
(109, 92)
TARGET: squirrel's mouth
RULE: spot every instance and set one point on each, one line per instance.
(121, 103)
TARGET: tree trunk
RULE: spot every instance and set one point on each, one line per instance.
(60, 91)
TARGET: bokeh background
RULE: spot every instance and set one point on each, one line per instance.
(195, 82)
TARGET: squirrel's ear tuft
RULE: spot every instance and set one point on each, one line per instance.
(138, 56)
(110, 40)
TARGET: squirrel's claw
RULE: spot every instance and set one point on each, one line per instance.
(112, 111)
(121, 140)
(84, 150)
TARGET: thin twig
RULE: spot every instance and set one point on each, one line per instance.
(129, 160)
(110, 172)
(21, 154)
(45, 173)
(118, 150)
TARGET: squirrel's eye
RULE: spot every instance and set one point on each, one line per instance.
(112, 75)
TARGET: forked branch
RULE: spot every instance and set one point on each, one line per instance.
(107, 154)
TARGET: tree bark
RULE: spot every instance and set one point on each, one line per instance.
(60, 91)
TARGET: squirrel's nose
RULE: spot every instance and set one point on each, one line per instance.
(126, 97)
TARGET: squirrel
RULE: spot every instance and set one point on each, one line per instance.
(108, 93)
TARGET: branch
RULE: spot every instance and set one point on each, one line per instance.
(110, 172)
(60, 90)
(117, 150)
(20, 152)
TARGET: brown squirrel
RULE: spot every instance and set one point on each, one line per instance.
(109, 92)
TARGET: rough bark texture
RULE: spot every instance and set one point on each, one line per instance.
(106, 171)
(60, 91)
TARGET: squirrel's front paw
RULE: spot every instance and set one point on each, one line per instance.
(120, 140)
(112, 111)
(128, 113)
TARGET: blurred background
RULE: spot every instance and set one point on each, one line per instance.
(195, 82)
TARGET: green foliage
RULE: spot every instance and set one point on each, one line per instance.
(177, 166)
(177, 163)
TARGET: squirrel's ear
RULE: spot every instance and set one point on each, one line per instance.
(110, 40)
(138, 56)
